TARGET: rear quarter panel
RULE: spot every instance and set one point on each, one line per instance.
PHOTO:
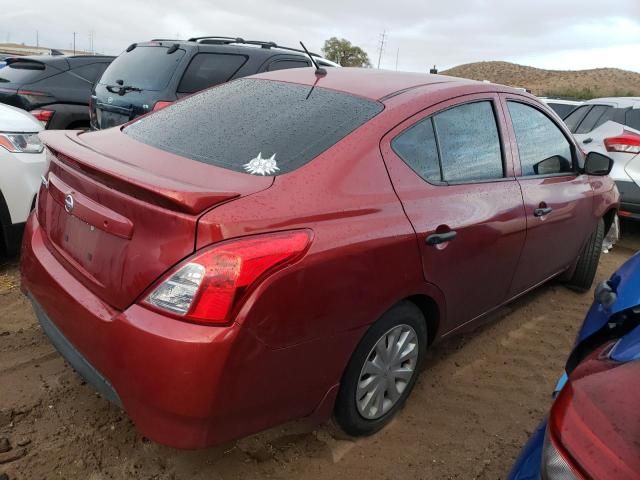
(364, 256)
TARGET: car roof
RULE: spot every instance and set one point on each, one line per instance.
(620, 102)
(376, 84)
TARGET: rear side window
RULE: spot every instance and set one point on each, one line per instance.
(286, 64)
(562, 109)
(90, 72)
(592, 119)
(632, 118)
(418, 148)
(467, 148)
(469, 143)
(542, 147)
(145, 67)
(261, 127)
(208, 69)
(574, 118)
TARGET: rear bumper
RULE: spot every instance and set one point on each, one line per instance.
(74, 357)
(183, 385)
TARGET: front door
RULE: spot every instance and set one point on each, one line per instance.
(455, 181)
(558, 199)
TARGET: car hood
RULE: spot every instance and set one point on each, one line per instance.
(625, 282)
(15, 120)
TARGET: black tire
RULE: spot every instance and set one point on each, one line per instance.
(585, 272)
(346, 411)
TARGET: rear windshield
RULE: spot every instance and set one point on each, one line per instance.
(148, 68)
(261, 127)
(23, 72)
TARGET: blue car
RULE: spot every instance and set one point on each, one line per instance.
(593, 427)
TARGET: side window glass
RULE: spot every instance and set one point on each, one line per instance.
(574, 118)
(286, 64)
(593, 117)
(633, 118)
(542, 147)
(90, 72)
(209, 69)
(417, 147)
(469, 143)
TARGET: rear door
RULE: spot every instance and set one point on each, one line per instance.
(455, 180)
(558, 200)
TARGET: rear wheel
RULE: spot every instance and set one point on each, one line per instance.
(588, 262)
(382, 371)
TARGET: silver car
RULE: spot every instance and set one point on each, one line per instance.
(612, 126)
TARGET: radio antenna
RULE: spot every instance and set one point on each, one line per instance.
(321, 72)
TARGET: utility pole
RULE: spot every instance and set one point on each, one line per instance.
(74, 43)
(382, 40)
(397, 55)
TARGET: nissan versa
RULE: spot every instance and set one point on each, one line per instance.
(289, 245)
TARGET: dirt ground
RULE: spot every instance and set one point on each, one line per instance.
(479, 398)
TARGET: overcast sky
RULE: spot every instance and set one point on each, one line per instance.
(560, 34)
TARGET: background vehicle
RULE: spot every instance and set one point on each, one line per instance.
(560, 106)
(22, 162)
(303, 224)
(148, 76)
(612, 126)
(54, 88)
(594, 426)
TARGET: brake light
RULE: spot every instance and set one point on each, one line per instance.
(159, 105)
(43, 116)
(209, 287)
(628, 142)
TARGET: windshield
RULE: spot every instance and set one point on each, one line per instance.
(148, 68)
(261, 127)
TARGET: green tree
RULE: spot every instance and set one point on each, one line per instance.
(341, 51)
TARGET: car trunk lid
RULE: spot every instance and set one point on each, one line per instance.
(118, 220)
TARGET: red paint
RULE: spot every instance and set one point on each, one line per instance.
(287, 344)
(594, 421)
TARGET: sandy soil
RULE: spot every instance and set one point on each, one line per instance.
(480, 397)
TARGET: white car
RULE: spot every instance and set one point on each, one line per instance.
(22, 164)
(612, 126)
(560, 106)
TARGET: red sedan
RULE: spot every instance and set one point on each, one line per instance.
(289, 245)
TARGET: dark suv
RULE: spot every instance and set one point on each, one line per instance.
(54, 88)
(147, 76)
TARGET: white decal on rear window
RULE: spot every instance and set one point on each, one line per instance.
(262, 166)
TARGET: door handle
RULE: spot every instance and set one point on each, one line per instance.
(541, 212)
(438, 238)
(587, 140)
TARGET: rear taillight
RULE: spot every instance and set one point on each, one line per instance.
(159, 105)
(593, 425)
(209, 287)
(43, 116)
(628, 142)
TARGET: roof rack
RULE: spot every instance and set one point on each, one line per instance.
(165, 40)
(215, 40)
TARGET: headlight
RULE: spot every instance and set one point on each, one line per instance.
(21, 142)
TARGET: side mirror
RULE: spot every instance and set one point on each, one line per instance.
(597, 164)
